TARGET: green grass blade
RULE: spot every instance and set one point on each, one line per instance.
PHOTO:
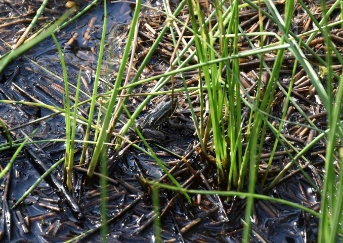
(95, 89)
(6, 59)
(9, 165)
(39, 180)
(104, 133)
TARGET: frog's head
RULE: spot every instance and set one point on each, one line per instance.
(139, 123)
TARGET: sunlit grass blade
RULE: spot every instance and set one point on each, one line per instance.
(212, 79)
(338, 208)
(39, 180)
(156, 206)
(6, 59)
(259, 128)
(238, 194)
(94, 94)
(32, 24)
(234, 101)
(74, 128)
(7, 133)
(68, 161)
(103, 193)
(104, 133)
(19, 149)
(330, 209)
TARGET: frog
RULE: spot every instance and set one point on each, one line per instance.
(160, 114)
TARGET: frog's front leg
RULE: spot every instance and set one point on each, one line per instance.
(154, 135)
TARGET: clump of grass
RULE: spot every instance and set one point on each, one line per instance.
(225, 99)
